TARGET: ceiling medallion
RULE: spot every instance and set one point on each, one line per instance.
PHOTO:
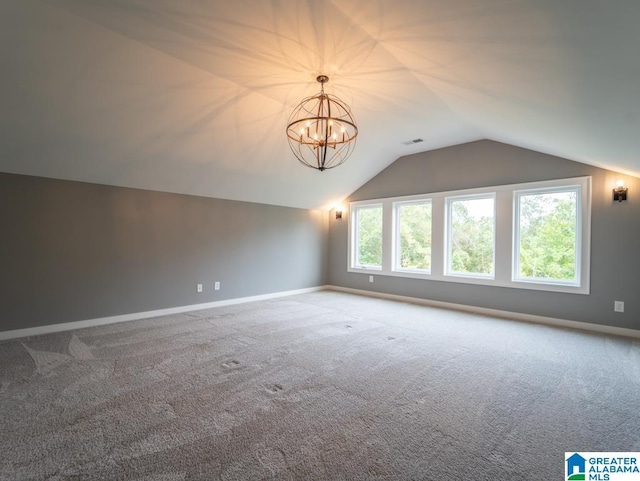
(321, 130)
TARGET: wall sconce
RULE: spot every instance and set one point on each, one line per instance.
(338, 213)
(620, 192)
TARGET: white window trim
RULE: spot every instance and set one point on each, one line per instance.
(504, 236)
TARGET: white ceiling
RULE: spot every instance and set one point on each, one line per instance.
(193, 96)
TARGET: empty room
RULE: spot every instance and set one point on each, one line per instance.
(319, 240)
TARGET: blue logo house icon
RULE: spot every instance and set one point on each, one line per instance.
(576, 467)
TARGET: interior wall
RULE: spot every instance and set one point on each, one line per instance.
(615, 230)
(75, 251)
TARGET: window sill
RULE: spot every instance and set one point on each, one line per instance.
(481, 281)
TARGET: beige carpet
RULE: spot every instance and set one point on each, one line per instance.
(324, 386)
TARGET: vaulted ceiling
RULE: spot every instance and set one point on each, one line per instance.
(193, 96)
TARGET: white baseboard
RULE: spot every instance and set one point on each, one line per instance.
(517, 316)
(69, 326)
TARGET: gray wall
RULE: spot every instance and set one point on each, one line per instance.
(72, 251)
(615, 248)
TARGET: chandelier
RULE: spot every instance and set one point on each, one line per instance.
(321, 131)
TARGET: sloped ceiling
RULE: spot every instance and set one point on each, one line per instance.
(193, 96)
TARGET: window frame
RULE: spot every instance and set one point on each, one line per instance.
(353, 236)
(396, 254)
(448, 235)
(583, 215)
(504, 236)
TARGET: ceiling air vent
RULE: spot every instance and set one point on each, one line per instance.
(411, 142)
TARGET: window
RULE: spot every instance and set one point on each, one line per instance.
(547, 247)
(525, 236)
(413, 236)
(471, 235)
(368, 236)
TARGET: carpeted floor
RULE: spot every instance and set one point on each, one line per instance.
(322, 386)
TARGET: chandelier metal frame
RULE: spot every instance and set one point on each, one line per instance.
(321, 130)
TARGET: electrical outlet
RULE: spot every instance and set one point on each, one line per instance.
(618, 306)
(199, 288)
(216, 286)
(370, 278)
